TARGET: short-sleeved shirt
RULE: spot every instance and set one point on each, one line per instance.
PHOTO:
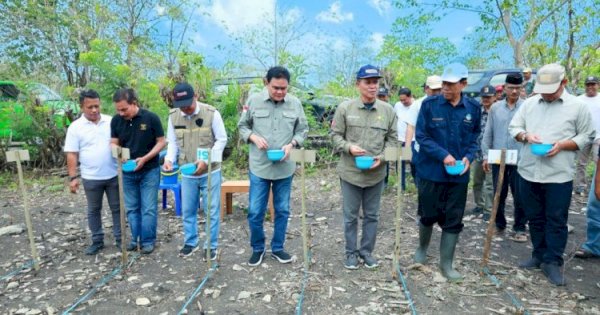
(444, 129)
(371, 128)
(278, 123)
(92, 143)
(566, 118)
(138, 134)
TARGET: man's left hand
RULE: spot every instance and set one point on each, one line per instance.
(286, 150)
(466, 164)
(139, 164)
(556, 148)
(376, 163)
(201, 167)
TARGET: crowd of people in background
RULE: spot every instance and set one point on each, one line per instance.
(445, 129)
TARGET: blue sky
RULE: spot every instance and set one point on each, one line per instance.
(329, 23)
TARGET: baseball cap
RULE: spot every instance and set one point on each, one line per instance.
(527, 70)
(549, 78)
(454, 72)
(514, 78)
(434, 82)
(592, 79)
(183, 95)
(383, 91)
(368, 71)
(488, 90)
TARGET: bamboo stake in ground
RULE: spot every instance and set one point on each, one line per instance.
(492, 223)
(398, 209)
(18, 156)
(304, 156)
(207, 206)
(120, 154)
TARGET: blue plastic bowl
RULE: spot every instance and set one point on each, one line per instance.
(129, 166)
(188, 169)
(275, 155)
(364, 162)
(540, 148)
(458, 167)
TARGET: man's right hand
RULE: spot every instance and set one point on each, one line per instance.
(259, 141)
(74, 185)
(167, 166)
(449, 160)
(531, 138)
(357, 151)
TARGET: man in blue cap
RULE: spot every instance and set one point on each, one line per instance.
(364, 126)
(193, 125)
(447, 129)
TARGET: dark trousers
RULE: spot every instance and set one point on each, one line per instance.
(442, 203)
(511, 180)
(94, 191)
(547, 210)
(370, 199)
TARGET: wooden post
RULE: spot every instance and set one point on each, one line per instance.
(18, 156)
(303, 156)
(120, 154)
(492, 222)
(207, 206)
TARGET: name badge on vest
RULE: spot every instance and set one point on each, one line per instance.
(202, 155)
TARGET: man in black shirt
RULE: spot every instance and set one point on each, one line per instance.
(141, 132)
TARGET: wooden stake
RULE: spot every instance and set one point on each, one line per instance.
(304, 156)
(492, 223)
(18, 156)
(207, 206)
(398, 211)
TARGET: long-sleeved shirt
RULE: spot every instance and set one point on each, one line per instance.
(218, 130)
(443, 129)
(496, 134)
(372, 129)
(278, 123)
(566, 118)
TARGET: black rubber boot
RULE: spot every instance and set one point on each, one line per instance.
(424, 238)
(447, 247)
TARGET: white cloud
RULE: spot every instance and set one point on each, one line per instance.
(335, 14)
(376, 41)
(382, 6)
(236, 16)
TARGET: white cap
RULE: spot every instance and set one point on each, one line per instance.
(434, 82)
(549, 78)
(455, 72)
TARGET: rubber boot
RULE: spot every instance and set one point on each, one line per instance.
(424, 238)
(447, 247)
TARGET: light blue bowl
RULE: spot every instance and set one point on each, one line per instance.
(129, 166)
(540, 148)
(188, 169)
(458, 167)
(364, 162)
(275, 155)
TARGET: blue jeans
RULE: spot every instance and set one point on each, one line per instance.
(259, 197)
(547, 209)
(141, 194)
(191, 188)
(593, 222)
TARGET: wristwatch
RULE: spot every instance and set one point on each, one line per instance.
(524, 137)
(71, 178)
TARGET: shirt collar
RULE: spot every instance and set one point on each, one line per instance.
(103, 119)
(562, 98)
(266, 97)
(361, 105)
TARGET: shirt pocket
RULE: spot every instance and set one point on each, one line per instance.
(262, 122)
(288, 122)
(376, 138)
(354, 130)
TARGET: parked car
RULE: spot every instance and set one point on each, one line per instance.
(13, 96)
(479, 78)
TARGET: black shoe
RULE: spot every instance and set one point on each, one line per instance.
(187, 250)
(94, 248)
(213, 254)
(351, 261)
(477, 211)
(147, 249)
(132, 247)
(532, 263)
(282, 256)
(554, 274)
(256, 258)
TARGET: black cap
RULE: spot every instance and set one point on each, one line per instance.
(591, 79)
(514, 78)
(383, 91)
(488, 91)
(183, 95)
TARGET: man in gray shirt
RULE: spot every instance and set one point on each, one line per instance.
(496, 137)
(271, 120)
(552, 117)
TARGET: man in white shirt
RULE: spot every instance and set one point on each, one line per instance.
(402, 109)
(88, 143)
(193, 125)
(592, 100)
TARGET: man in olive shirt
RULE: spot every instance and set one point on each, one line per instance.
(555, 117)
(141, 132)
(363, 127)
(270, 120)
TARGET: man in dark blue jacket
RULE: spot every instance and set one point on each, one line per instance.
(447, 129)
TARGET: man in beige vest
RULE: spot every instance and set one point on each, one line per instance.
(192, 126)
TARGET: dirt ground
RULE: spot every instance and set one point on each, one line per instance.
(167, 280)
